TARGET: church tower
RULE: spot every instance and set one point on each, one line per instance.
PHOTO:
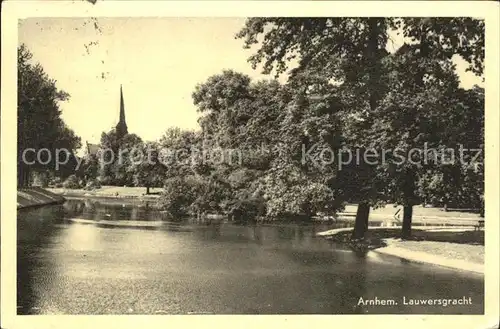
(121, 127)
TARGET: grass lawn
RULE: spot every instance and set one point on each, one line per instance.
(463, 246)
(427, 216)
(418, 211)
(455, 251)
(109, 191)
(375, 236)
(129, 191)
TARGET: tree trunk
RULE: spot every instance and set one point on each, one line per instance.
(373, 55)
(361, 223)
(23, 176)
(407, 217)
(147, 189)
(19, 176)
(409, 188)
(409, 200)
(27, 173)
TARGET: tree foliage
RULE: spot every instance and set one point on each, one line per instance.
(383, 100)
(39, 122)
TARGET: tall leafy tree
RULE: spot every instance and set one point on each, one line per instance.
(39, 123)
(146, 167)
(107, 155)
(116, 155)
(410, 117)
(347, 52)
(350, 54)
(179, 152)
(266, 125)
(459, 180)
(434, 42)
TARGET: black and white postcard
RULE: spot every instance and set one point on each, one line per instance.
(287, 163)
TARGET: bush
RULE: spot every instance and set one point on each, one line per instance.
(93, 184)
(247, 210)
(192, 196)
(56, 181)
(41, 179)
(177, 196)
(71, 182)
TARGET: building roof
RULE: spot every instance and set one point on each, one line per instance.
(92, 149)
(121, 127)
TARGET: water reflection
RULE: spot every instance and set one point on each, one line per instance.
(99, 211)
(34, 229)
(94, 257)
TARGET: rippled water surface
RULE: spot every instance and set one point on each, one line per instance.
(95, 257)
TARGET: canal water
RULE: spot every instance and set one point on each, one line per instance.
(96, 257)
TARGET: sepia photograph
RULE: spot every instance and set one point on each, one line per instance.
(250, 164)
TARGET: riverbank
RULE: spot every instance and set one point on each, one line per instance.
(390, 215)
(37, 197)
(463, 257)
(458, 248)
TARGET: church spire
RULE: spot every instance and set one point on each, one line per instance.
(121, 127)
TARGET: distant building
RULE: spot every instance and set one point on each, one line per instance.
(121, 127)
(92, 149)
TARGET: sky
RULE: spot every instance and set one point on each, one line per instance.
(158, 61)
